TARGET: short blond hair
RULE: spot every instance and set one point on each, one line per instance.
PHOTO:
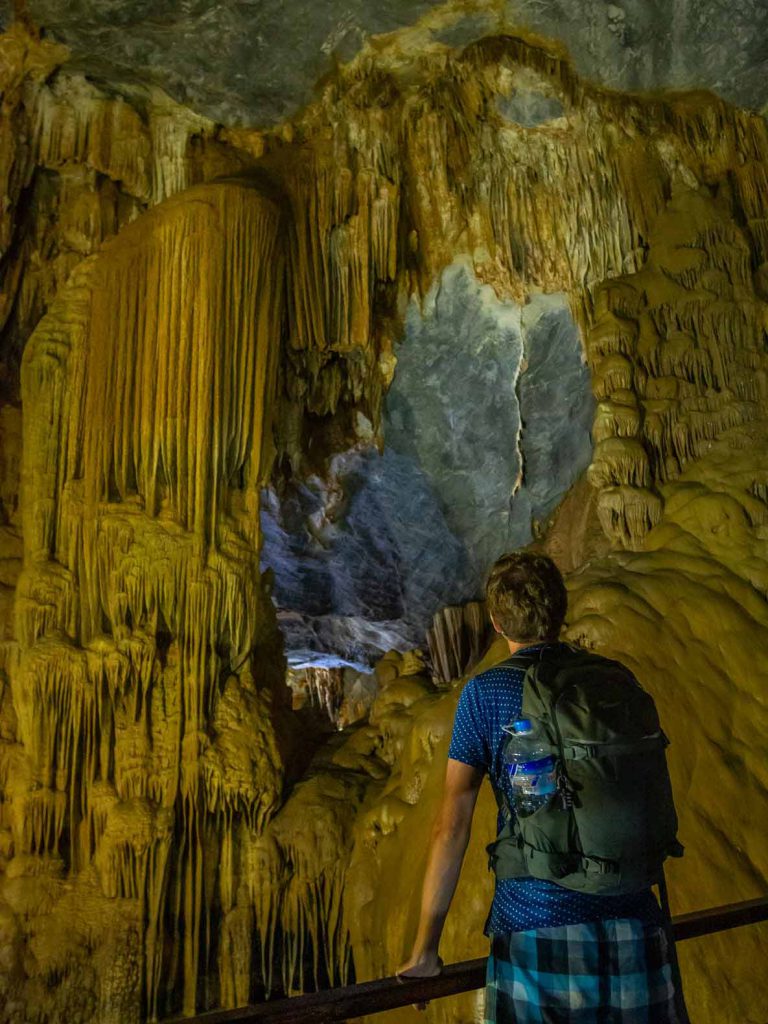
(526, 597)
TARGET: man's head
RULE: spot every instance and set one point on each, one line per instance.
(526, 596)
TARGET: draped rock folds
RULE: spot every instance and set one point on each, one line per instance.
(677, 355)
(143, 702)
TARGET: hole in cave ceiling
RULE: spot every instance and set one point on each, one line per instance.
(421, 523)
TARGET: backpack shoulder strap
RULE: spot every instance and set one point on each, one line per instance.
(523, 661)
(526, 659)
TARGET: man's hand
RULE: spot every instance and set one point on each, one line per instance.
(426, 965)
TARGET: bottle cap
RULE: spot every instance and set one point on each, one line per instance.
(522, 726)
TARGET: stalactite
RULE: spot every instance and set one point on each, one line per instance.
(146, 422)
(325, 687)
(78, 162)
(621, 460)
(170, 334)
(616, 419)
(696, 337)
(76, 122)
(85, 127)
(457, 638)
(296, 878)
(627, 513)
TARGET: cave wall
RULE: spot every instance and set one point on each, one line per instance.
(364, 561)
(191, 313)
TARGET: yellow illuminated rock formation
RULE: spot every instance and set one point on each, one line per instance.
(199, 308)
(143, 673)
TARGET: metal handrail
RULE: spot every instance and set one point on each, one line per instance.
(339, 1004)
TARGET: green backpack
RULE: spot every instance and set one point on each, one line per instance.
(612, 822)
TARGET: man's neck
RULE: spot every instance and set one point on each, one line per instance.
(516, 645)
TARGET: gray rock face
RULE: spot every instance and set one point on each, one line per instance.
(556, 407)
(257, 61)
(453, 408)
(720, 45)
(252, 62)
(476, 452)
(529, 108)
(355, 582)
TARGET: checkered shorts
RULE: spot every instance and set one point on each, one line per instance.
(602, 972)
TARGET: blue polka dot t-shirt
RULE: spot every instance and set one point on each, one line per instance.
(489, 701)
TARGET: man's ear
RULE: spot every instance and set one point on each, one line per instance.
(496, 626)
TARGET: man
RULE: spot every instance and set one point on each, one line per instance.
(558, 956)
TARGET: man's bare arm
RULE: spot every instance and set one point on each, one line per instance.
(448, 844)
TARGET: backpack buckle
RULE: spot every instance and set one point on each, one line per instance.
(592, 866)
(565, 791)
(580, 751)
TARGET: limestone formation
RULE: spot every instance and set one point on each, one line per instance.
(318, 376)
(457, 639)
(149, 738)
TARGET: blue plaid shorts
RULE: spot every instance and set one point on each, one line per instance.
(602, 972)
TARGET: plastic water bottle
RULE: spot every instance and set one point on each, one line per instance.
(531, 767)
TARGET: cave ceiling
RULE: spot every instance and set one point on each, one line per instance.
(257, 62)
